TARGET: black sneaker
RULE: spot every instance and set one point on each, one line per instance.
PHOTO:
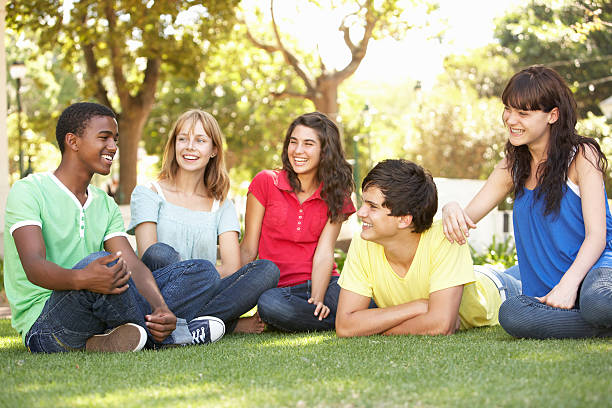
(127, 337)
(206, 329)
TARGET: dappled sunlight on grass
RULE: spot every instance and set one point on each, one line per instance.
(299, 340)
(9, 342)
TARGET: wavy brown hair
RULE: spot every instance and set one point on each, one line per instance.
(542, 88)
(216, 178)
(334, 171)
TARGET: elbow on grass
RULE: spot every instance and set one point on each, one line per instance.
(443, 330)
(343, 328)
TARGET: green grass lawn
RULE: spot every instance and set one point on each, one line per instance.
(483, 367)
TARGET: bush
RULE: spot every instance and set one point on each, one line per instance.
(500, 254)
(339, 258)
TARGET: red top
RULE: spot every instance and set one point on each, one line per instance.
(290, 231)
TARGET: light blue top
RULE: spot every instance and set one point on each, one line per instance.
(547, 245)
(193, 234)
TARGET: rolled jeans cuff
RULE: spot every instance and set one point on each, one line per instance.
(181, 335)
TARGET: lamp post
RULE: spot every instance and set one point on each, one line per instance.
(18, 71)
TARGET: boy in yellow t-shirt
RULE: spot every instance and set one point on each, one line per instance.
(421, 283)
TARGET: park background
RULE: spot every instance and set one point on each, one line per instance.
(415, 79)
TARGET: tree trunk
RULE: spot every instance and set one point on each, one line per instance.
(131, 125)
(326, 98)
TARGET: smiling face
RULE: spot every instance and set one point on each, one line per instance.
(97, 145)
(193, 147)
(529, 127)
(378, 224)
(304, 150)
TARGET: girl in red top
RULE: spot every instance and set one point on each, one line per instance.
(293, 218)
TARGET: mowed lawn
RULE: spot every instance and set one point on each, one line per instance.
(478, 368)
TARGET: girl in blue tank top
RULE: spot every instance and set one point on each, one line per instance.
(562, 223)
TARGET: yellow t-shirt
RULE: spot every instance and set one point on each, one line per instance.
(437, 265)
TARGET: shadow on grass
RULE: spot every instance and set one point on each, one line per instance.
(481, 367)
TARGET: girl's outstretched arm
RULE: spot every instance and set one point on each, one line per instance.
(322, 266)
(456, 221)
(592, 195)
(253, 219)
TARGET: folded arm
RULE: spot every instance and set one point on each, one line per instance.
(438, 315)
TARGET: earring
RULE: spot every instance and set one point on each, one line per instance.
(212, 155)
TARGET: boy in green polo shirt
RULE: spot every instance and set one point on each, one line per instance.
(421, 283)
(67, 294)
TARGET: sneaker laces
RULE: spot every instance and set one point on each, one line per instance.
(201, 335)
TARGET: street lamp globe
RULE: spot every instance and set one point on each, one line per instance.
(17, 70)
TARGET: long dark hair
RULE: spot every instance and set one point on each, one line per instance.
(334, 171)
(542, 88)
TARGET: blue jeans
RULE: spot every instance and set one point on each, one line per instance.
(234, 295)
(71, 317)
(508, 282)
(288, 309)
(525, 317)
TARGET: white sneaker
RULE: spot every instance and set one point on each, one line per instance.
(206, 329)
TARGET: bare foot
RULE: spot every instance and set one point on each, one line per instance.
(252, 324)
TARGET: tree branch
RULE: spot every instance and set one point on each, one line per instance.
(358, 52)
(146, 95)
(94, 73)
(346, 34)
(288, 56)
(266, 47)
(289, 94)
(580, 61)
(116, 63)
(595, 81)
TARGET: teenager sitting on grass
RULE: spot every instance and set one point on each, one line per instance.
(57, 221)
(184, 214)
(293, 218)
(562, 223)
(421, 283)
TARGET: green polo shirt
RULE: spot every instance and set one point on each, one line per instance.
(71, 231)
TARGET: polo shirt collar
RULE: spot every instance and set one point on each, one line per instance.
(66, 190)
(282, 183)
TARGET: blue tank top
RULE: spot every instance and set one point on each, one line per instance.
(547, 245)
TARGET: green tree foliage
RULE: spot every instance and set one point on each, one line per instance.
(304, 74)
(572, 36)
(126, 47)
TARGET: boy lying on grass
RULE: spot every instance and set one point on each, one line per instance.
(421, 283)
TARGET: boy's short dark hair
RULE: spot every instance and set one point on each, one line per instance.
(74, 119)
(408, 188)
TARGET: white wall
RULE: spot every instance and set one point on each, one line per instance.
(462, 191)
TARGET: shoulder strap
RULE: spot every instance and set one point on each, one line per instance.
(158, 189)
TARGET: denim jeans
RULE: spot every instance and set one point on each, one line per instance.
(234, 295)
(525, 317)
(71, 317)
(288, 309)
(508, 282)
